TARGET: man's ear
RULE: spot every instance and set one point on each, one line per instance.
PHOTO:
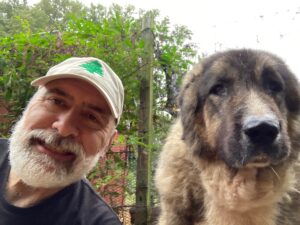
(113, 137)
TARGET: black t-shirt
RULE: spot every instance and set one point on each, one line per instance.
(76, 204)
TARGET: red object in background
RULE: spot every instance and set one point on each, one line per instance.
(3, 112)
(115, 166)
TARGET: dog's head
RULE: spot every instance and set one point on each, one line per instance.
(241, 106)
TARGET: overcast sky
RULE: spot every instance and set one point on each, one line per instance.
(272, 25)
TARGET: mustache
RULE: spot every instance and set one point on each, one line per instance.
(52, 140)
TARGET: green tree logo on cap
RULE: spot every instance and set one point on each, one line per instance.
(93, 67)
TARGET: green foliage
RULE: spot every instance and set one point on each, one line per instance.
(23, 57)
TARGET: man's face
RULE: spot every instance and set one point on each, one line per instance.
(65, 128)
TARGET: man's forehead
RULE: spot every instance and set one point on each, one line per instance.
(58, 91)
(75, 89)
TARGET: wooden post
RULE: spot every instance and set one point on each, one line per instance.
(143, 177)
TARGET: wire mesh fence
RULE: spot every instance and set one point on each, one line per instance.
(114, 178)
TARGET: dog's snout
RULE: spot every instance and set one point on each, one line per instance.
(262, 131)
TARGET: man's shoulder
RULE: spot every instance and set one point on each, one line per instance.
(3, 149)
(98, 208)
(3, 143)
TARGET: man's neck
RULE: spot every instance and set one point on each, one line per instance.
(22, 195)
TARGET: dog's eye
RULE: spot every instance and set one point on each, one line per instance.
(274, 86)
(219, 90)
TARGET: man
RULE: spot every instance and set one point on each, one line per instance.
(67, 125)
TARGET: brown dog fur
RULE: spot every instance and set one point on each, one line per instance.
(211, 171)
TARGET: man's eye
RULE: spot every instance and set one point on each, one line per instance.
(95, 121)
(57, 101)
(92, 117)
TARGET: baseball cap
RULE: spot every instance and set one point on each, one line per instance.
(95, 72)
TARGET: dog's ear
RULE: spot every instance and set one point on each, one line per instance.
(292, 89)
(293, 97)
(189, 103)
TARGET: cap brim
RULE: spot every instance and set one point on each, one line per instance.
(44, 80)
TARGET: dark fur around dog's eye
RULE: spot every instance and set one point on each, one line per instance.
(271, 81)
(219, 90)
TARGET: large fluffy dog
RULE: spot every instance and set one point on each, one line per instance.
(231, 158)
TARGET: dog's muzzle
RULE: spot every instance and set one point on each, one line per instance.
(261, 130)
(261, 134)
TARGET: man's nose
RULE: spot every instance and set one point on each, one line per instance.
(65, 124)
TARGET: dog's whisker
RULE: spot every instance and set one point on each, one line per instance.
(296, 190)
(274, 171)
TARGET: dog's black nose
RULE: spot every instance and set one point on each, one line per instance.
(262, 131)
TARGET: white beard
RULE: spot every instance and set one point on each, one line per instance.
(38, 169)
